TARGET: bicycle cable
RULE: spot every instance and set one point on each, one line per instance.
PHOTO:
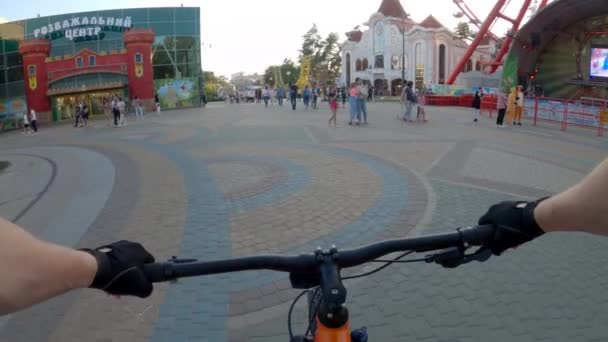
(293, 304)
(388, 263)
(312, 317)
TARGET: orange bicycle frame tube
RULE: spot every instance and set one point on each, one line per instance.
(325, 334)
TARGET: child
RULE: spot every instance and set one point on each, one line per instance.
(333, 105)
(421, 112)
(157, 103)
(26, 124)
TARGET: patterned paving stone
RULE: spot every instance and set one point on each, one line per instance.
(234, 180)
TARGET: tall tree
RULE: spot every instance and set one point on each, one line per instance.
(312, 43)
(463, 31)
(330, 60)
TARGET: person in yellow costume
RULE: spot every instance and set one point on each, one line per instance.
(511, 106)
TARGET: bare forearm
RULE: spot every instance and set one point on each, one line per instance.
(37, 270)
(580, 208)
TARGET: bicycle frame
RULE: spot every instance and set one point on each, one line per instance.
(325, 334)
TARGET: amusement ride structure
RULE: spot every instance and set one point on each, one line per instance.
(485, 29)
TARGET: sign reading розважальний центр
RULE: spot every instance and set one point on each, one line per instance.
(83, 28)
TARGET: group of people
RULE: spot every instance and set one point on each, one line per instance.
(411, 100)
(29, 122)
(357, 101)
(511, 106)
(82, 114)
(115, 107)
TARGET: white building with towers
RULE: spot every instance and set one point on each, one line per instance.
(394, 46)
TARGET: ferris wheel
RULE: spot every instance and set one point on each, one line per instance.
(485, 29)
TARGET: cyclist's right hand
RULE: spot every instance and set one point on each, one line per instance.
(514, 222)
(120, 269)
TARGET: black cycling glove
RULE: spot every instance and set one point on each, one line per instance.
(515, 224)
(120, 269)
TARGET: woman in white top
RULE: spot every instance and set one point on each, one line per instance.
(33, 121)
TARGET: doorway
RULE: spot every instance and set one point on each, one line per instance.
(65, 105)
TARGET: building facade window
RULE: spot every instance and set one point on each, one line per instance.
(442, 61)
(420, 57)
(396, 63)
(379, 62)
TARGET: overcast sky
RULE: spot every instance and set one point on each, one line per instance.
(248, 35)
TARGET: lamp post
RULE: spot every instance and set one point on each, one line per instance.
(403, 53)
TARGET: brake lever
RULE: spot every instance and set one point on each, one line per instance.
(455, 256)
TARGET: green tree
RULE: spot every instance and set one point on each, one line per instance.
(533, 8)
(463, 31)
(290, 71)
(213, 83)
(330, 59)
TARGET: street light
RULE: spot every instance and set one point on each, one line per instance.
(403, 52)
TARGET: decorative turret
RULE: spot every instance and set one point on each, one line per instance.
(35, 53)
(138, 43)
(393, 8)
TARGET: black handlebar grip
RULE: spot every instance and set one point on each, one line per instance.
(159, 272)
(479, 235)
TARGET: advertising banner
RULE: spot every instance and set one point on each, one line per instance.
(176, 93)
(11, 113)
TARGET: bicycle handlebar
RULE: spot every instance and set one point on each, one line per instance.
(308, 263)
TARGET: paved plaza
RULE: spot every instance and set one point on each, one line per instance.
(235, 180)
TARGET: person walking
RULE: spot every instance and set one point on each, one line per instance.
(333, 106)
(121, 110)
(157, 103)
(107, 110)
(116, 112)
(293, 95)
(315, 95)
(84, 115)
(33, 121)
(408, 99)
(501, 105)
(519, 109)
(26, 124)
(266, 95)
(362, 102)
(477, 105)
(421, 112)
(78, 115)
(353, 103)
(139, 110)
(280, 95)
(306, 97)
